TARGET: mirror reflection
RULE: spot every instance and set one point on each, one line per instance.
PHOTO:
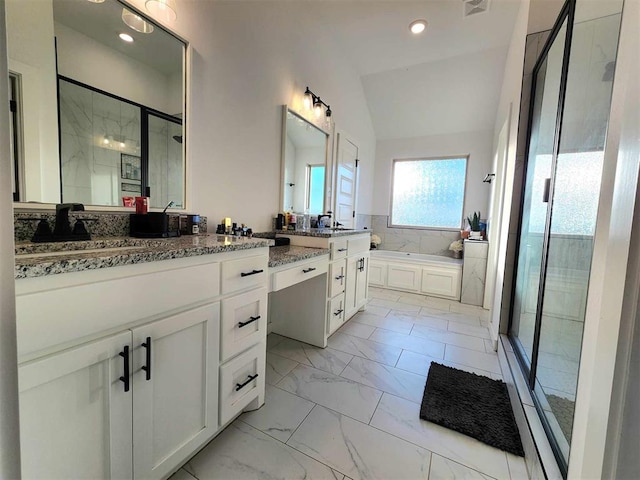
(303, 165)
(99, 115)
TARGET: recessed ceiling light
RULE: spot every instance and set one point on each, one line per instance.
(418, 26)
(126, 37)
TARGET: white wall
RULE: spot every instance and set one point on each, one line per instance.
(475, 144)
(115, 72)
(248, 59)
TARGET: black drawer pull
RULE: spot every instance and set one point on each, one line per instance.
(339, 277)
(251, 320)
(310, 269)
(342, 249)
(147, 367)
(251, 378)
(338, 312)
(125, 378)
(254, 272)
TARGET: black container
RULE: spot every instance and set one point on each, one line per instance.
(150, 225)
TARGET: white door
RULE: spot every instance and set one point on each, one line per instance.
(75, 416)
(175, 381)
(346, 182)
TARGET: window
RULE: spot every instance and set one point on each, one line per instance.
(428, 193)
(315, 177)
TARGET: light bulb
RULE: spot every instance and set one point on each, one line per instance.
(165, 10)
(418, 26)
(308, 100)
(317, 108)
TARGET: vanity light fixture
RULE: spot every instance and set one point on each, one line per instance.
(126, 37)
(311, 100)
(136, 22)
(418, 26)
(165, 10)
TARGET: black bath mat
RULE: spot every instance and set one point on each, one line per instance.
(471, 404)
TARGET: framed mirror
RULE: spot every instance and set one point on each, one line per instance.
(98, 104)
(305, 150)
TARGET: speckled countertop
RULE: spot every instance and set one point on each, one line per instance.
(37, 260)
(322, 232)
(290, 253)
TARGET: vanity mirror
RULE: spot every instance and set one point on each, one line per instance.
(99, 97)
(304, 165)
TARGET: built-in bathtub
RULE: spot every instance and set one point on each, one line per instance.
(432, 275)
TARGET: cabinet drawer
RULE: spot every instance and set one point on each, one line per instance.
(244, 322)
(241, 382)
(298, 273)
(244, 273)
(336, 313)
(339, 249)
(358, 245)
(337, 277)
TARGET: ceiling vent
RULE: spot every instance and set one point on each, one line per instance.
(474, 7)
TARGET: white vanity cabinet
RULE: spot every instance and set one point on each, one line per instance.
(347, 290)
(138, 399)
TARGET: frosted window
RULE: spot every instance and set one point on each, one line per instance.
(428, 193)
(316, 188)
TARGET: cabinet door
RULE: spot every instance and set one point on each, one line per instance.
(175, 381)
(362, 282)
(350, 286)
(75, 417)
(403, 277)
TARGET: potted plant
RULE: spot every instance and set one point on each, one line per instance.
(474, 224)
(456, 247)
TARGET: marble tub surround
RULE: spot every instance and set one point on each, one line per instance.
(106, 224)
(413, 240)
(286, 254)
(128, 253)
(474, 271)
(313, 405)
(322, 232)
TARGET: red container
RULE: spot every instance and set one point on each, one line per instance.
(142, 205)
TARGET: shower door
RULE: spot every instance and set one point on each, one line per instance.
(571, 97)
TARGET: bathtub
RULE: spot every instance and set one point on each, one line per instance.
(432, 275)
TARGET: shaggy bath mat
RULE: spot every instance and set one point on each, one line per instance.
(471, 404)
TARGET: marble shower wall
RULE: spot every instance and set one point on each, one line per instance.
(434, 242)
(95, 130)
(165, 163)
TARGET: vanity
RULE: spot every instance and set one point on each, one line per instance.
(133, 357)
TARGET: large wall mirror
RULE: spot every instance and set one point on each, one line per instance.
(98, 102)
(304, 165)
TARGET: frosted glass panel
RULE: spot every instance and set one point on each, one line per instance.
(428, 193)
(316, 188)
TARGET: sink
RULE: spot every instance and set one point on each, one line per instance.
(63, 253)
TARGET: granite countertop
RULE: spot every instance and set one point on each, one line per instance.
(37, 259)
(322, 232)
(290, 253)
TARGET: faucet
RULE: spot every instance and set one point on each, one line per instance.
(63, 226)
(321, 217)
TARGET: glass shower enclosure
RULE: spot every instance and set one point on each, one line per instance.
(571, 97)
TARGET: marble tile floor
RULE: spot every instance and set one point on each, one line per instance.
(351, 411)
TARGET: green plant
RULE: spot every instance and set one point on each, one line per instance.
(474, 221)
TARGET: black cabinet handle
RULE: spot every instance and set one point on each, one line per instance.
(147, 367)
(342, 249)
(361, 266)
(254, 272)
(250, 378)
(310, 269)
(125, 378)
(339, 277)
(338, 312)
(251, 320)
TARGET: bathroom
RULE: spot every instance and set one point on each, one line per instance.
(245, 60)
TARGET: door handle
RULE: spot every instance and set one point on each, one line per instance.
(339, 277)
(250, 378)
(338, 312)
(251, 320)
(125, 378)
(310, 269)
(147, 367)
(547, 187)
